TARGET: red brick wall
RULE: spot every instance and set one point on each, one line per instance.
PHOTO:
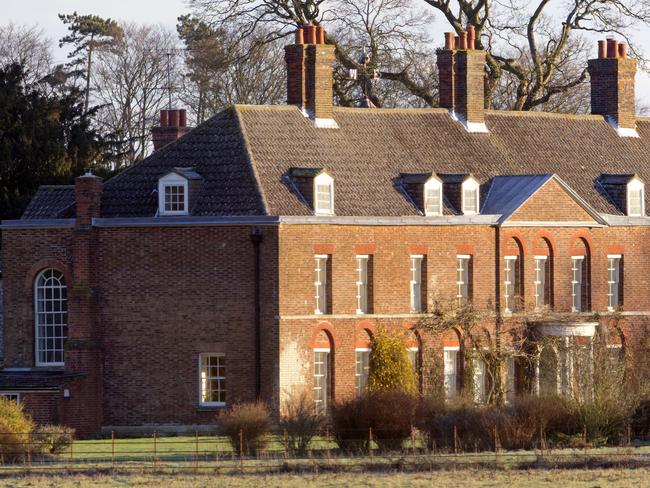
(43, 407)
(554, 204)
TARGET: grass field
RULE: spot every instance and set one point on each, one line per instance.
(632, 478)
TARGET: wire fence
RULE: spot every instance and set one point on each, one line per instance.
(352, 450)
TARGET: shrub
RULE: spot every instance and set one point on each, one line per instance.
(53, 439)
(252, 419)
(349, 425)
(16, 428)
(300, 421)
(641, 419)
(390, 366)
(391, 414)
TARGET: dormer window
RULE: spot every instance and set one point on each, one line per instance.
(433, 197)
(173, 195)
(323, 194)
(470, 192)
(635, 198)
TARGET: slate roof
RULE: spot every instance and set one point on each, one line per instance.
(245, 153)
(50, 201)
(35, 380)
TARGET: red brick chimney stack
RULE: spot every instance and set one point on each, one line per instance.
(88, 198)
(612, 85)
(461, 71)
(173, 126)
(310, 73)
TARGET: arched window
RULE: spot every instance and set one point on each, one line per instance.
(51, 313)
(414, 346)
(433, 196)
(580, 276)
(543, 274)
(324, 194)
(362, 361)
(323, 380)
(513, 272)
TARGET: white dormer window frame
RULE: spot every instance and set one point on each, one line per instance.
(470, 206)
(171, 185)
(635, 189)
(324, 194)
(433, 197)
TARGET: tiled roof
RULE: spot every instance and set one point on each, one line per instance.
(35, 380)
(245, 153)
(50, 201)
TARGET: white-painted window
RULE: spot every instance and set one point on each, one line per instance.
(212, 378)
(362, 284)
(173, 195)
(320, 283)
(10, 395)
(635, 198)
(416, 283)
(324, 194)
(576, 283)
(414, 358)
(451, 371)
(433, 197)
(470, 196)
(480, 380)
(540, 281)
(613, 281)
(51, 315)
(462, 278)
(361, 370)
(509, 283)
(321, 379)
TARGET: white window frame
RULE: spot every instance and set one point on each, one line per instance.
(416, 261)
(40, 316)
(414, 357)
(324, 179)
(172, 180)
(320, 283)
(470, 184)
(613, 281)
(636, 187)
(462, 278)
(576, 283)
(11, 395)
(321, 406)
(540, 281)
(433, 206)
(479, 379)
(361, 272)
(509, 282)
(451, 387)
(203, 379)
(361, 370)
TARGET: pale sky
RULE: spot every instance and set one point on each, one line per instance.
(165, 12)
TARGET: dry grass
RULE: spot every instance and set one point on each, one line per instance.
(623, 478)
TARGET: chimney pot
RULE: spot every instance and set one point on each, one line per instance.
(471, 37)
(449, 41)
(622, 50)
(463, 40)
(182, 118)
(164, 118)
(173, 118)
(320, 35)
(456, 42)
(612, 48)
(300, 36)
(311, 34)
(602, 49)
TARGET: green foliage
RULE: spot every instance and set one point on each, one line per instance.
(252, 419)
(16, 428)
(53, 439)
(390, 366)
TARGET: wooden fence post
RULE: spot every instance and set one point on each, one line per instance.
(113, 449)
(241, 450)
(370, 443)
(455, 440)
(196, 450)
(412, 440)
(286, 445)
(155, 448)
(629, 435)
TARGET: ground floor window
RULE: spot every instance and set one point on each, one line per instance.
(451, 371)
(10, 395)
(213, 379)
(361, 370)
(480, 380)
(321, 379)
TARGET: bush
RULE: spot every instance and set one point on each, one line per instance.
(300, 421)
(391, 414)
(390, 366)
(641, 419)
(252, 420)
(53, 439)
(349, 425)
(16, 428)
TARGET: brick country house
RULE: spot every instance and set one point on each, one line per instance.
(258, 253)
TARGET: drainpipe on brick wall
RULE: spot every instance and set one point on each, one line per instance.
(256, 239)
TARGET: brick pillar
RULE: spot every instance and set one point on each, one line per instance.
(83, 409)
(173, 126)
(310, 72)
(612, 84)
(446, 79)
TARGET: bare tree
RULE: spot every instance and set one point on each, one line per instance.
(27, 46)
(131, 84)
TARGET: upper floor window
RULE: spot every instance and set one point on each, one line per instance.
(470, 192)
(173, 195)
(613, 281)
(462, 278)
(213, 379)
(51, 313)
(320, 283)
(433, 197)
(635, 198)
(510, 283)
(362, 271)
(416, 283)
(541, 283)
(324, 194)
(577, 283)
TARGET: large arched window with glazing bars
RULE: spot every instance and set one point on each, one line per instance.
(51, 317)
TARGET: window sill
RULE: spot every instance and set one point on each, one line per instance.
(210, 408)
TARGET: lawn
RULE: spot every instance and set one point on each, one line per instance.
(622, 478)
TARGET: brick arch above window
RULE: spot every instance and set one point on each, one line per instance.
(513, 242)
(544, 244)
(363, 334)
(42, 265)
(316, 337)
(581, 244)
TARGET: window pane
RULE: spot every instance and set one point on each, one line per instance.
(213, 379)
(450, 367)
(51, 309)
(362, 369)
(324, 198)
(432, 201)
(416, 283)
(174, 198)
